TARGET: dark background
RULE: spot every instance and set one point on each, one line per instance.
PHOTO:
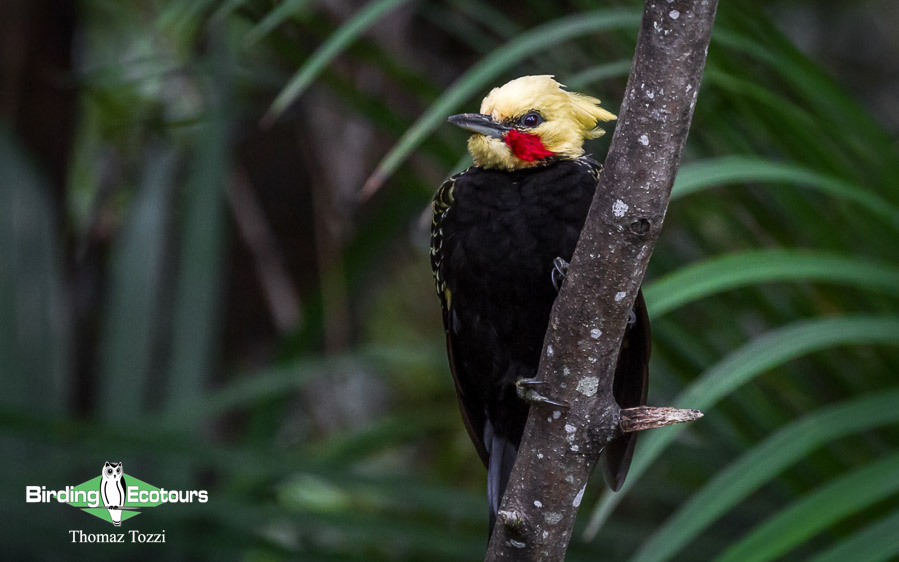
(193, 281)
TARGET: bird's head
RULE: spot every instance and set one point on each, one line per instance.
(529, 120)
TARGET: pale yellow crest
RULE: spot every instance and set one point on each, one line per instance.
(568, 119)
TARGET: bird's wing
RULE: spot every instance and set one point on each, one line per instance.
(441, 204)
(629, 388)
(472, 417)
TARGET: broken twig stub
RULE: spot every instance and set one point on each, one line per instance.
(651, 417)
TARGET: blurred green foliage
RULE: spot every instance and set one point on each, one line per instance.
(213, 304)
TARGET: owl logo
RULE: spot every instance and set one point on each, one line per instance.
(112, 489)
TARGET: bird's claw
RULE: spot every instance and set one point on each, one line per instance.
(559, 273)
(526, 391)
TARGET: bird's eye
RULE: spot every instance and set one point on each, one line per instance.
(531, 119)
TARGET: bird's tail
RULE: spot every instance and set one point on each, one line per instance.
(502, 454)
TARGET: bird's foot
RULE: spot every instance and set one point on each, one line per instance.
(559, 273)
(526, 389)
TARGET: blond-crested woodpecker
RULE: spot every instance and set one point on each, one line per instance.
(502, 234)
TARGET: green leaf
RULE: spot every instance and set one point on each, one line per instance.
(527, 44)
(251, 388)
(33, 323)
(749, 361)
(196, 308)
(279, 14)
(876, 542)
(327, 52)
(812, 85)
(725, 273)
(814, 513)
(762, 463)
(132, 319)
(700, 176)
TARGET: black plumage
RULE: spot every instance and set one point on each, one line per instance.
(494, 237)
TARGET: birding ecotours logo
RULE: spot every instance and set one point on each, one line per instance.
(113, 496)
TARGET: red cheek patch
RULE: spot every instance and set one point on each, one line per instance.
(526, 146)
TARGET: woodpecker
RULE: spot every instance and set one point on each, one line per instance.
(502, 234)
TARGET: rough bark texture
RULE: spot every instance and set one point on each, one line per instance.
(651, 417)
(561, 446)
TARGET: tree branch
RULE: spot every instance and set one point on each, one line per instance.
(561, 446)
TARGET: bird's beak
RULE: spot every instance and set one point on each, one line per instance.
(478, 123)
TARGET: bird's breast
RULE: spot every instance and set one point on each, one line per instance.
(504, 236)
